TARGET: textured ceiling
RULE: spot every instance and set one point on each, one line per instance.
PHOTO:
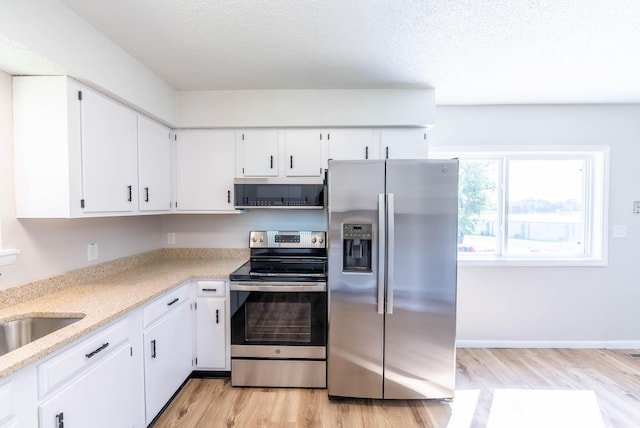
(470, 51)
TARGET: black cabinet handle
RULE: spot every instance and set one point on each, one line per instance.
(153, 348)
(60, 420)
(291, 161)
(366, 152)
(173, 301)
(271, 162)
(94, 352)
(387, 152)
(217, 316)
(213, 290)
(146, 191)
(228, 196)
(130, 188)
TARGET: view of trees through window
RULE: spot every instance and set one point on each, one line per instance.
(524, 206)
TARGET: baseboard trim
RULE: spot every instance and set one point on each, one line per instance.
(587, 344)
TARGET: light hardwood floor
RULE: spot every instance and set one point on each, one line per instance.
(495, 388)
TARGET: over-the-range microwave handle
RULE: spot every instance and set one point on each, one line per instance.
(381, 251)
(390, 250)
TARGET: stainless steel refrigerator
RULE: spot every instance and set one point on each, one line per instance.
(392, 278)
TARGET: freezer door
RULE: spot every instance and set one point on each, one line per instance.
(420, 318)
(355, 346)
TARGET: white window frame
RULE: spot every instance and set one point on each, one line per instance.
(596, 201)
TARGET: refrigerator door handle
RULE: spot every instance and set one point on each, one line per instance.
(390, 250)
(381, 252)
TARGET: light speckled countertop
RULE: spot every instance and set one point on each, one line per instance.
(104, 300)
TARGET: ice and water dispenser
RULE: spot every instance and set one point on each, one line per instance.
(356, 247)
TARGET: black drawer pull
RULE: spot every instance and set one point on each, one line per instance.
(146, 198)
(228, 196)
(94, 352)
(217, 316)
(173, 301)
(130, 189)
(213, 290)
(60, 420)
(153, 348)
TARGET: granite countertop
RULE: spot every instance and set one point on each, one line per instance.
(104, 300)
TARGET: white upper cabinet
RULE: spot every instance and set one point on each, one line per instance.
(403, 143)
(353, 144)
(154, 166)
(76, 152)
(304, 152)
(47, 136)
(392, 143)
(257, 153)
(205, 168)
(109, 154)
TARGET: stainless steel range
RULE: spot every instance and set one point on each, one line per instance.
(279, 311)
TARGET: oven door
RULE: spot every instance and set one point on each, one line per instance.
(278, 320)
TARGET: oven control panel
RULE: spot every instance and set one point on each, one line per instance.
(287, 239)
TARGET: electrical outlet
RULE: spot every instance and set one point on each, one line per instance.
(171, 238)
(92, 251)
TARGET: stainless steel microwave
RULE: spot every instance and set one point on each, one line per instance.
(283, 193)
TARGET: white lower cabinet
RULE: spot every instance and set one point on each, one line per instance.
(125, 373)
(212, 330)
(93, 383)
(98, 398)
(18, 399)
(168, 354)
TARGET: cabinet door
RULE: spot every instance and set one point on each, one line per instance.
(403, 143)
(102, 397)
(18, 399)
(109, 154)
(154, 165)
(353, 144)
(168, 349)
(303, 153)
(205, 168)
(259, 153)
(210, 333)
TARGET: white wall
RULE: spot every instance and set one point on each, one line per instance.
(565, 305)
(51, 247)
(316, 108)
(47, 32)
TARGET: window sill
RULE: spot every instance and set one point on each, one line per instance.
(8, 256)
(531, 262)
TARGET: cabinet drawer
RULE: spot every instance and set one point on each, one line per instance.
(163, 304)
(57, 370)
(211, 288)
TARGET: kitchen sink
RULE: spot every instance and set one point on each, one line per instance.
(21, 331)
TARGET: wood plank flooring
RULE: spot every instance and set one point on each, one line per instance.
(495, 388)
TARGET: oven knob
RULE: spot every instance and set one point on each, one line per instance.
(321, 240)
(313, 240)
(254, 239)
(261, 239)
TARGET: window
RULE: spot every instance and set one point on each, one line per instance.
(537, 206)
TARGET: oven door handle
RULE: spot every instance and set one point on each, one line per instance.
(277, 287)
